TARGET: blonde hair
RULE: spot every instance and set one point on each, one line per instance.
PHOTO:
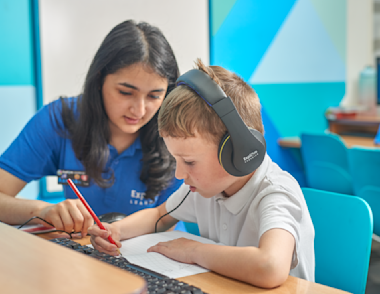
(184, 112)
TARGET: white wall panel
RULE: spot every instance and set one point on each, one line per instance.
(72, 30)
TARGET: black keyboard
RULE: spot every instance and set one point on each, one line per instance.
(156, 282)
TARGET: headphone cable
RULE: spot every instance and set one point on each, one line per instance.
(155, 227)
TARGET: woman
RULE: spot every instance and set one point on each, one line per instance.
(106, 139)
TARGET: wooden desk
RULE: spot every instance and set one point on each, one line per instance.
(31, 265)
(213, 283)
(359, 124)
(350, 141)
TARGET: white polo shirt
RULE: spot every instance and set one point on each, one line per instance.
(272, 198)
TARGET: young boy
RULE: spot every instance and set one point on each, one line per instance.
(260, 216)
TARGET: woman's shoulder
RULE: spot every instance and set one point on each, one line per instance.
(49, 117)
(71, 102)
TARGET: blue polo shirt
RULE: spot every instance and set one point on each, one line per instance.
(40, 151)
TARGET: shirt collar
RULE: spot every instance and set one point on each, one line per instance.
(130, 151)
(236, 202)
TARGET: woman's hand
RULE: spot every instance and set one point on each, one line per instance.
(69, 215)
(99, 238)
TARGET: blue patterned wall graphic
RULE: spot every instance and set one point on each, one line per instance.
(16, 50)
(300, 53)
(17, 90)
(293, 107)
(17, 106)
(246, 33)
(293, 54)
(333, 15)
(219, 13)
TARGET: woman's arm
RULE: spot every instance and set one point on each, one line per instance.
(13, 210)
(67, 215)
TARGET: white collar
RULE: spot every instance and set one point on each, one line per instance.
(237, 201)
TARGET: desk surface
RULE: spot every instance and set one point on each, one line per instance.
(31, 265)
(350, 141)
(359, 124)
(213, 283)
(359, 119)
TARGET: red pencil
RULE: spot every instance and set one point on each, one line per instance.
(100, 225)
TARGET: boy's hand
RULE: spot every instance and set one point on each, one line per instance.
(181, 249)
(99, 238)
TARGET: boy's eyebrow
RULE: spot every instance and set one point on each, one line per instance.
(182, 154)
(135, 88)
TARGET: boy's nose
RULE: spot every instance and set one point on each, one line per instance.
(180, 172)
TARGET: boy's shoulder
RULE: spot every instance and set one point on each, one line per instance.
(270, 178)
(278, 177)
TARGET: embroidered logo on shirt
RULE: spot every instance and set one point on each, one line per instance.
(137, 198)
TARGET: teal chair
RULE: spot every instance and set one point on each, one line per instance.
(192, 228)
(343, 237)
(365, 170)
(326, 163)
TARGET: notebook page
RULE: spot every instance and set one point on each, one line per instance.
(166, 266)
(141, 244)
(135, 250)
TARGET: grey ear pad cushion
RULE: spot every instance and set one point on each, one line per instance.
(225, 152)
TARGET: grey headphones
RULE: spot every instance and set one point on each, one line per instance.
(242, 149)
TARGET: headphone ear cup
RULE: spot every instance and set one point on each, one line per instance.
(225, 153)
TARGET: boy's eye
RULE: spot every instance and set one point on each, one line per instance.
(189, 162)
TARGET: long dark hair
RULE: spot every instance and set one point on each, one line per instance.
(127, 43)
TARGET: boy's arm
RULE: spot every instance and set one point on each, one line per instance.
(139, 223)
(143, 222)
(267, 266)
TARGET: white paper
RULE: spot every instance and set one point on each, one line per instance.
(135, 250)
(165, 266)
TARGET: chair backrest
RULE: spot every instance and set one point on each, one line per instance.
(343, 238)
(326, 162)
(365, 170)
(192, 228)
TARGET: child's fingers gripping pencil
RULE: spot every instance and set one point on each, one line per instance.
(100, 225)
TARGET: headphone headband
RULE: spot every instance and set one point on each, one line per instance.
(203, 85)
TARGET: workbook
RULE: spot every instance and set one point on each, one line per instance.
(135, 251)
(35, 229)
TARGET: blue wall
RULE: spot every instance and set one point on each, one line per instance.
(17, 79)
(293, 53)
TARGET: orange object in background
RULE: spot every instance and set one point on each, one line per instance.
(345, 115)
(341, 113)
